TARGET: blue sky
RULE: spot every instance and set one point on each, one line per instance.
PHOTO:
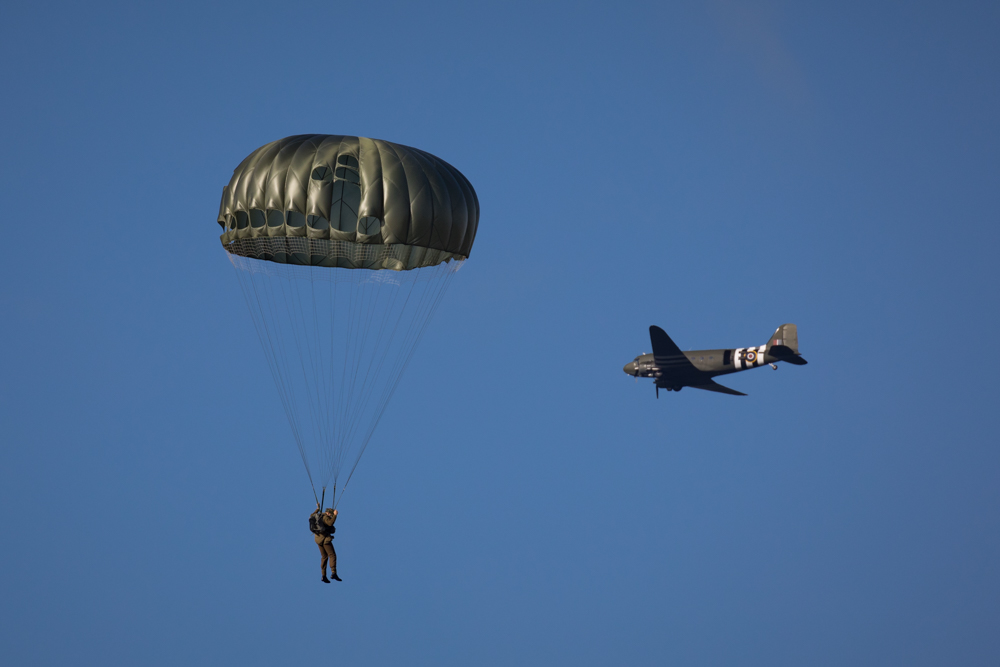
(715, 168)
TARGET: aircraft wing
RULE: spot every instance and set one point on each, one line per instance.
(712, 385)
(666, 354)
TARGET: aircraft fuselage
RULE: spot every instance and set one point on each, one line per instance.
(710, 362)
(673, 369)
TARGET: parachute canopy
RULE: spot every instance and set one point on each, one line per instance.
(348, 202)
(344, 247)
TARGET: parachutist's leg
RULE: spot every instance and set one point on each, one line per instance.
(333, 560)
(323, 558)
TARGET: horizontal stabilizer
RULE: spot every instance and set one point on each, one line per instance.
(712, 385)
(785, 353)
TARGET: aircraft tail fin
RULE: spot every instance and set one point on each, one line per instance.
(786, 335)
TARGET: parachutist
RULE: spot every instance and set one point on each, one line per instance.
(321, 525)
(346, 244)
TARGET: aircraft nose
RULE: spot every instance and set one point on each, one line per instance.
(629, 368)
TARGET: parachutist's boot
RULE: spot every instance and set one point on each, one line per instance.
(335, 577)
(325, 580)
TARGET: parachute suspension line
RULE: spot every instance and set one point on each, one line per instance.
(310, 356)
(360, 394)
(278, 347)
(407, 350)
(317, 351)
(291, 336)
(355, 342)
(337, 389)
(381, 360)
(352, 350)
(329, 385)
(335, 407)
(335, 322)
(245, 277)
(418, 326)
(354, 308)
(312, 362)
(295, 309)
(391, 387)
(364, 392)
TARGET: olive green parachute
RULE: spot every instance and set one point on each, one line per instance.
(344, 247)
(350, 202)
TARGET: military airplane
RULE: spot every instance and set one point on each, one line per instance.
(673, 370)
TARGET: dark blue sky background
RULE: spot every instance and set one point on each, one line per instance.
(715, 168)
